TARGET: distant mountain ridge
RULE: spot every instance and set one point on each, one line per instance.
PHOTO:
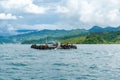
(25, 31)
(29, 36)
(106, 29)
(43, 34)
(15, 32)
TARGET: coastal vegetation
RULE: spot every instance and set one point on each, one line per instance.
(96, 38)
(76, 40)
(92, 38)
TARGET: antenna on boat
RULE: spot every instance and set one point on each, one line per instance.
(46, 44)
(46, 39)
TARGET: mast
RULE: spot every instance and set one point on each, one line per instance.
(46, 44)
(46, 39)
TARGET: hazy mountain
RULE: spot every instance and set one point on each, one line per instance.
(45, 33)
(106, 29)
(10, 32)
(28, 36)
(23, 31)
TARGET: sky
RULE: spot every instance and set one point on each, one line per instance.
(58, 14)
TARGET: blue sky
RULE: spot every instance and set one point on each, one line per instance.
(58, 14)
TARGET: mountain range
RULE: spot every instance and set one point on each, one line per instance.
(43, 34)
(106, 29)
(35, 36)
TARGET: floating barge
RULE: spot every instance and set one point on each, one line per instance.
(53, 46)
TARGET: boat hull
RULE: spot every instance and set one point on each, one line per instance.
(44, 47)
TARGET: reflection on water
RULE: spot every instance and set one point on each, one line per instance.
(88, 62)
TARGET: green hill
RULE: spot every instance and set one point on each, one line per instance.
(75, 36)
(76, 40)
(96, 38)
(35, 37)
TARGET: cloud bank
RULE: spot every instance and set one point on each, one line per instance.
(7, 16)
(61, 14)
(94, 12)
(23, 6)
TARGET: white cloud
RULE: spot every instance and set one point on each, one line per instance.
(23, 5)
(20, 17)
(43, 26)
(7, 30)
(94, 12)
(61, 9)
(31, 8)
(9, 16)
(76, 13)
(13, 4)
(4, 16)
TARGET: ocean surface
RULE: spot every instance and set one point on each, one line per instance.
(88, 62)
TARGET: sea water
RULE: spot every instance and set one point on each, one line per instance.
(88, 62)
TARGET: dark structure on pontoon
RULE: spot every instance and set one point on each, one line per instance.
(54, 46)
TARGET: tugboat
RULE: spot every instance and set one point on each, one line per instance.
(57, 45)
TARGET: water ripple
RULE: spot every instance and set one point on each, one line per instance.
(88, 62)
(18, 64)
(61, 64)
